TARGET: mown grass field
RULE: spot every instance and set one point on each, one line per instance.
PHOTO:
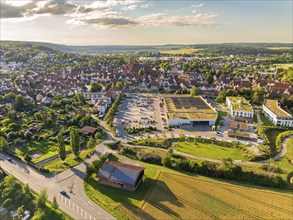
(211, 151)
(176, 196)
(181, 51)
(56, 166)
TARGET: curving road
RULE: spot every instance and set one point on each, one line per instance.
(76, 204)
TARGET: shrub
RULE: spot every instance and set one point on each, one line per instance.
(166, 161)
(150, 158)
(27, 157)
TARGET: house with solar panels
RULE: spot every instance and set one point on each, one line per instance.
(120, 175)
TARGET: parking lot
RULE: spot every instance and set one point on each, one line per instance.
(137, 111)
(143, 110)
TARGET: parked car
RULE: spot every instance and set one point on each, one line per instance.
(63, 193)
(9, 159)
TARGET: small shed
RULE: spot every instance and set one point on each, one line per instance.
(88, 130)
(120, 175)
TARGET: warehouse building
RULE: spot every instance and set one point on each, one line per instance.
(120, 175)
(186, 109)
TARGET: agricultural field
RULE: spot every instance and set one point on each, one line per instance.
(181, 51)
(211, 151)
(211, 199)
(284, 65)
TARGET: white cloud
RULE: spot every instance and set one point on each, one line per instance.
(129, 8)
(161, 20)
(197, 5)
(146, 5)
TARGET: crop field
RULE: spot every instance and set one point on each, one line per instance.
(175, 196)
(181, 51)
(284, 65)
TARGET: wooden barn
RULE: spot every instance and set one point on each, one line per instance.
(120, 175)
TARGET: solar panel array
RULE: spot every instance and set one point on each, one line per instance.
(106, 171)
(125, 175)
(188, 103)
(119, 173)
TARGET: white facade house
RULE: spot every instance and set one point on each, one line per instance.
(276, 114)
(97, 96)
(101, 106)
(239, 107)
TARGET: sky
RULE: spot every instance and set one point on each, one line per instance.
(144, 22)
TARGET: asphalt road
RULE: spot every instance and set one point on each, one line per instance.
(76, 204)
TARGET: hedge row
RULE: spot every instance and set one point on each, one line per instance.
(135, 130)
(281, 137)
(111, 112)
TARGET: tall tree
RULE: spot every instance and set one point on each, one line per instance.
(119, 85)
(74, 142)
(55, 203)
(140, 72)
(96, 87)
(61, 147)
(194, 91)
(41, 200)
(3, 144)
(91, 143)
(19, 103)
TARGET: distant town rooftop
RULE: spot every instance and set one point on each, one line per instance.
(240, 104)
(274, 107)
(188, 107)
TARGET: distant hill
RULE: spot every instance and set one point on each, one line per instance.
(99, 49)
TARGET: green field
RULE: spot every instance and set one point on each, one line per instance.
(56, 166)
(210, 151)
(176, 196)
(181, 51)
(284, 65)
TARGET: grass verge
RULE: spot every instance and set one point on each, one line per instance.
(56, 166)
(210, 151)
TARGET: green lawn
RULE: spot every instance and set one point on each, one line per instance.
(284, 163)
(210, 151)
(56, 166)
(265, 121)
(46, 148)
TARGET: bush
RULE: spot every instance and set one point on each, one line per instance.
(27, 157)
(166, 161)
(150, 158)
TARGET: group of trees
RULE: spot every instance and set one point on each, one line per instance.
(256, 95)
(19, 102)
(111, 112)
(16, 196)
(135, 130)
(95, 87)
